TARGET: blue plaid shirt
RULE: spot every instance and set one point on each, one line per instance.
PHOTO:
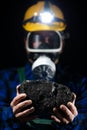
(9, 79)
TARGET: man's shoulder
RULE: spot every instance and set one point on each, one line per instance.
(67, 74)
(14, 68)
(7, 72)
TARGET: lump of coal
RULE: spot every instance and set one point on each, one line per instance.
(45, 95)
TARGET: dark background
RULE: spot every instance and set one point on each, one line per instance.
(12, 51)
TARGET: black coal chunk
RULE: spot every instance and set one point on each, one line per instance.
(45, 95)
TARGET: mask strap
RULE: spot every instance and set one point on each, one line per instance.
(21, 73)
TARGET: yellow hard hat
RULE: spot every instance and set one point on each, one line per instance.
(44, 16)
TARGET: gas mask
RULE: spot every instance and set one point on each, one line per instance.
(44, 48)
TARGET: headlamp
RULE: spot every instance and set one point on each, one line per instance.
(46, 17)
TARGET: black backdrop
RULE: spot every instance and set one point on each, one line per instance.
(12, 51)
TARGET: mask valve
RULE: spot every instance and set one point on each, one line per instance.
(44, 68)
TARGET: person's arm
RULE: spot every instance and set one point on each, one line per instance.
(7, 92)
(6, 115)
(80, 121)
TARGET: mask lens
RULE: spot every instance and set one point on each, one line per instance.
(42, 40)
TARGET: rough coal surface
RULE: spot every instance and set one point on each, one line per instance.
(45, 95)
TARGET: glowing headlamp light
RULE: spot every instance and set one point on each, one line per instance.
(46, 17)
